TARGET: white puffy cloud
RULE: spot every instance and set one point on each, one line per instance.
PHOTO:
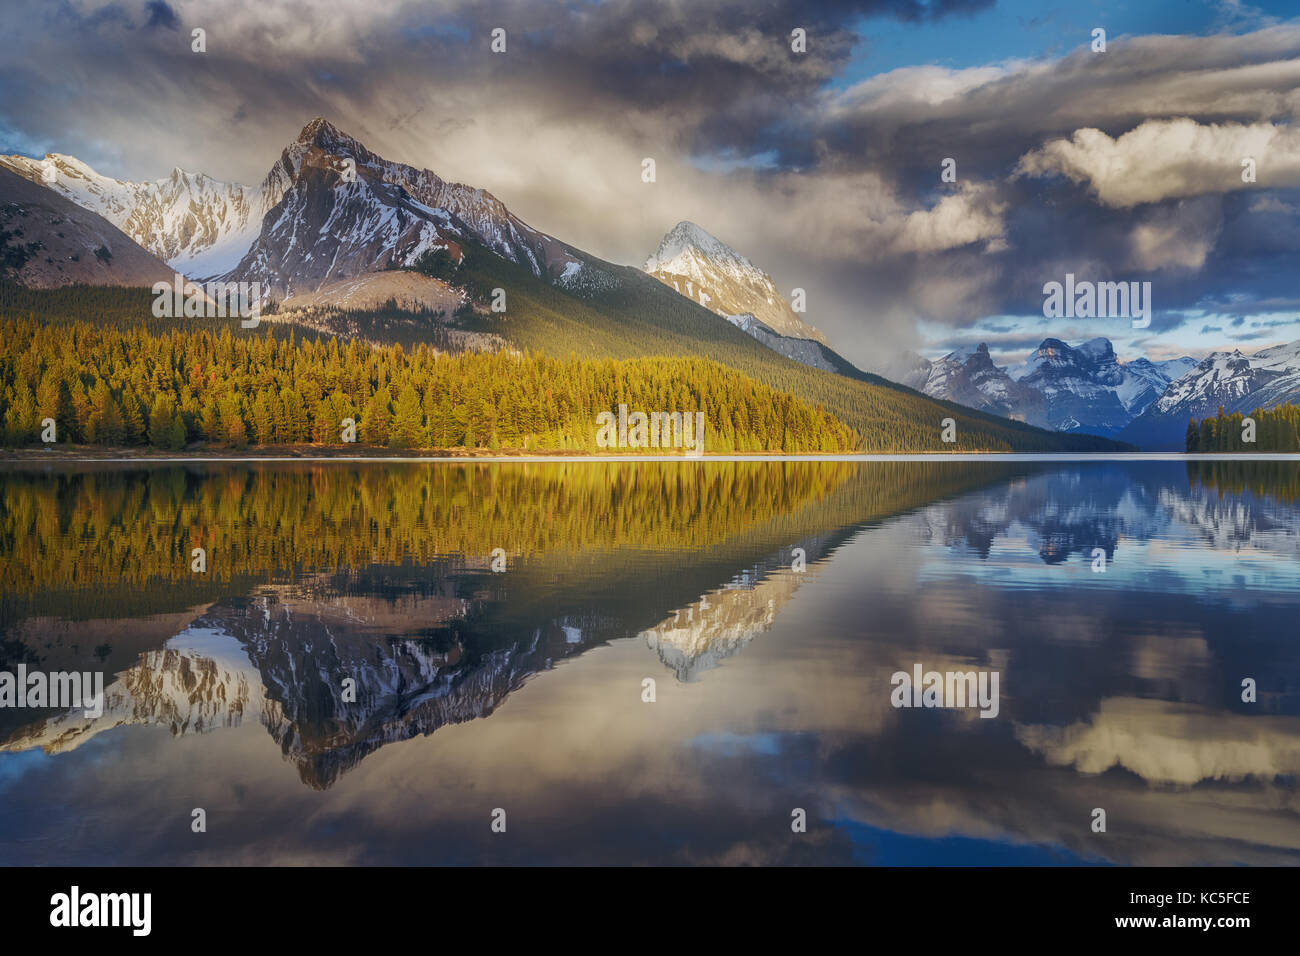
(972, 214)
(1170, 159)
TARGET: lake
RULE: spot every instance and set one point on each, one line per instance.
(653, 663)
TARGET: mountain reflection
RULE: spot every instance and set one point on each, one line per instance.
(1120, 689)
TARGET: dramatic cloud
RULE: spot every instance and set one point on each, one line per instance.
(1124, 165)
(1171, 159)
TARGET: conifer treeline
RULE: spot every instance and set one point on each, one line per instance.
(1276, 429)
(112, 386)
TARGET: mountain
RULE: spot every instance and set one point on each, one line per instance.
(1064, 388)
(1088, 388)
(364, 214)
(706, 270)
(1239, 383)
(47, 241)
(200, 226)
(1084, 388)
(969, 377)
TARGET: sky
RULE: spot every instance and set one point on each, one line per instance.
(823, 166)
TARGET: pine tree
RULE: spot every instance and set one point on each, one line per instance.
(104, 425)
(407, 429)
(376, 418)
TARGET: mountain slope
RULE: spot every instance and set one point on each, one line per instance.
(1237, 382)
(200, 226)
(635, 314)
(47, 241)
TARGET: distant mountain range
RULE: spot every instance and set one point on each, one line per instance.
(1237, 382)
(199, 226)
(1084, 388)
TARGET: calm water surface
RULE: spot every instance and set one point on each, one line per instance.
(522, 689)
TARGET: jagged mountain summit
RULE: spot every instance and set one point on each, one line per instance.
(1085, 388)
(969, 377)
(1238, 382)
(328, 209)
(346, 211)
(1066, 375)
(1065, 388)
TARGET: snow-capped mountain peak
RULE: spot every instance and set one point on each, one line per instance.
(686, 244)
(968, 376)
(706, 270)
(1231, 379)
(366, 213)
(1068, 388)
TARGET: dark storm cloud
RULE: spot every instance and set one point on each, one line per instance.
(160, 15)
(721, 72)
(1194, 243)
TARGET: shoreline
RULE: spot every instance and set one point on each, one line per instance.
(283, 454)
